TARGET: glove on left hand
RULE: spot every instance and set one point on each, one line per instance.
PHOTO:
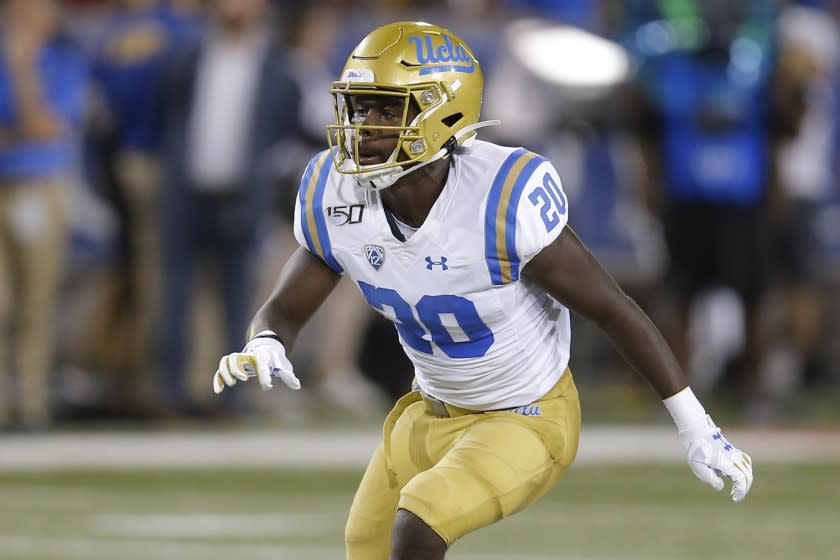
(710, 455)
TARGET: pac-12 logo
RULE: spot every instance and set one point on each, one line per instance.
(375, 255)
(435, 58)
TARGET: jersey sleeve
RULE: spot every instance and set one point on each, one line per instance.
(526, 210)
(310, 225)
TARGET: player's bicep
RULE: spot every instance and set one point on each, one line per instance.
(568, 271)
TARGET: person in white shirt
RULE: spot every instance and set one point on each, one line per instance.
(229, 103)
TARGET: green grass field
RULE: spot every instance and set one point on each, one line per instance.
(595, 513)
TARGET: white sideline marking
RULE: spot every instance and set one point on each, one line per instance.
(352, 449)
(70, 548)
(187, 449)
(764, 524)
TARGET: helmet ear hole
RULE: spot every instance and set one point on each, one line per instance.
(452, 119)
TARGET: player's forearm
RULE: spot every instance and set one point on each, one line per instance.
(640, 343)
(274, 316)
(302, 287)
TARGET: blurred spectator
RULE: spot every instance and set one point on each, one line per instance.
(133, 49)
(706, 69)
(228, 101)
(806, 170)
(42, 84)
(336, 374)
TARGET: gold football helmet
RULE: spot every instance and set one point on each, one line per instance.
(431, 69)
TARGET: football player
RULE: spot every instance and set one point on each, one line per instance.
(465, 246)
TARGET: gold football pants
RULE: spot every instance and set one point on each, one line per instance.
(461, 471)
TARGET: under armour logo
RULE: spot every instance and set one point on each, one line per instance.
(430, 264)
(725, 443)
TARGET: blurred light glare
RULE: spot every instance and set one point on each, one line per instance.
(568, 56)
(746, 55)
(655, 38)
(746, 59)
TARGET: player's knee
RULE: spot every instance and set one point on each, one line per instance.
(367, 540)
(412, 538)
(357, 533)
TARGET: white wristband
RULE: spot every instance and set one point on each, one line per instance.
(685, 409)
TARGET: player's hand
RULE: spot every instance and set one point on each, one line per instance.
(712, 457)
(263, 357)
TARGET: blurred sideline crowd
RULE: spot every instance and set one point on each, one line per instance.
(150, 153)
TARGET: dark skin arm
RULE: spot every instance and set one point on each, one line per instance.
(571, 274)
(302, 287)
(31, 28)
(35, 121)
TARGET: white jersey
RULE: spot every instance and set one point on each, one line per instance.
(479, 336)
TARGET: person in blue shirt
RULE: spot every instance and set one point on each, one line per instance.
(130, 62)
(42, 85)
(707, 131)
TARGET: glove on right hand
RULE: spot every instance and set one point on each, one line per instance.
(263, 357)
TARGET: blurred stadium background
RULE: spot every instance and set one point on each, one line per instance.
(111, 443)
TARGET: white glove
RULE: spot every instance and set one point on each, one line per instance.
(263, 357)
(711, 456)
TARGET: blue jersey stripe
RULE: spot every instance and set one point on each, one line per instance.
(500, 215)
(320, 218)
(312, 220)
(513, 205)
(304, 187)
(490, 253)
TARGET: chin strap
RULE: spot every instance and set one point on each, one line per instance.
(378, 180)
